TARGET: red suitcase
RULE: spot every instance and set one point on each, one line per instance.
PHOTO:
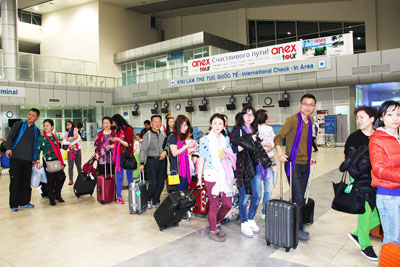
(106, 191)
(390, 255)
(202, 205)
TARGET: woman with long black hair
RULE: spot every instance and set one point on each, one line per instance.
(248, 171)
(71, 143)
(123, 138)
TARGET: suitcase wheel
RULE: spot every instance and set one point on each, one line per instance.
(268, 243)
(287, 249)
(162, 228)
(76, 193)
(175, 224)
(103, 202)
(295, 246)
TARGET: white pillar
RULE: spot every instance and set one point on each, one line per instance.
(9, 38)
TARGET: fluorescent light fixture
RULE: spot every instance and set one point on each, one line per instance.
(36, 8)
(200, 53)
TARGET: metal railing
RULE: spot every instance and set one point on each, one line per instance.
(64, 78)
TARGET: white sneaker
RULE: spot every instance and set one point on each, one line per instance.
(149, 206)
(246, 230)
(253, 226)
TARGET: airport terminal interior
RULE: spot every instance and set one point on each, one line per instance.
(82, 60)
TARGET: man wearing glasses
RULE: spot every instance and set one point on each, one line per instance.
(298, 132)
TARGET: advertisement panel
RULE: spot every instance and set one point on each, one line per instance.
(246, 58)
(341, 44)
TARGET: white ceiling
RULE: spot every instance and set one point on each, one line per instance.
(163, 8)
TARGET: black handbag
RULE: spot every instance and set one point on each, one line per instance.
(128, 161)
(347, 197)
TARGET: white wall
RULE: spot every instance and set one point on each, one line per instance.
(121, 29)
(27, 32)
(72, 33)
(380, 17)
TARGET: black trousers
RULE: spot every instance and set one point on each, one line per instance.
(300, 180)
(55, 182)
(20, 182)
(156, 173)
(314, 143)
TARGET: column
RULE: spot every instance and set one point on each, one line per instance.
(9, 38)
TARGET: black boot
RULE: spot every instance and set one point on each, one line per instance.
(52, 202)
(60, 199)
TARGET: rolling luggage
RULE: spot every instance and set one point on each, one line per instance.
(307, 210)
(390, 255)
(282, 219)
(174, 207)
(87, 179)
(201, 205)
(138, 195)
(377, 232)
(106, 191)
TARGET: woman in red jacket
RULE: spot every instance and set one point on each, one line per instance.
(384, 152)
(123, 138)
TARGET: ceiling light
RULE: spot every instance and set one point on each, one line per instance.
(289, 33)
(359, 38)
(351, 31)
(36, 8)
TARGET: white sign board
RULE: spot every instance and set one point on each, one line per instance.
(12, 91)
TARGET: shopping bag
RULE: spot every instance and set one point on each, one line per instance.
(38, 176)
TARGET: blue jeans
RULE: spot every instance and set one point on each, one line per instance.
(389, 211)
(254, 197)
(183, 185)
(120, 177)
(268, 187)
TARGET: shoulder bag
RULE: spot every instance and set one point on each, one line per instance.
(128, 161)
(347, 198)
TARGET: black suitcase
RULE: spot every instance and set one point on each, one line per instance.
(85, 184)
(307, 210)
(174, 207)
(282, 220)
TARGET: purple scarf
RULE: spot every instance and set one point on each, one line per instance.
(183, 163)
(295, 148)
(260, 169)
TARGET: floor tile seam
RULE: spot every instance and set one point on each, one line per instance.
(6, 261)
(338, 251)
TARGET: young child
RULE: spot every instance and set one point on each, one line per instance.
(137, 143)
(267, 135)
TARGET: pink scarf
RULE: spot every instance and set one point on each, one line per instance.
(183, 162)
(228, 164)
(117, 154)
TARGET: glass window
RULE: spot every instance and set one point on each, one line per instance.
(123, 67)
(330, 28)
(24, 113)
(252, 32)
(161, 62)
(265, 31)
(268, 43)
(67, 113)
(76, 114)
(285, 29)
(198, 53)
(206, 52)
(25, 17)
(307, 27)
(286, 40)
(54, 113)
(188, 55)
(308, 36)
(36, 19)
(149, 64)
(58, 125)
(141, 66)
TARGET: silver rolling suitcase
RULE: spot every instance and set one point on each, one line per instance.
(282, 219)
(138, 195)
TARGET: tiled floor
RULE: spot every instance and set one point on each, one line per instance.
(82, 232)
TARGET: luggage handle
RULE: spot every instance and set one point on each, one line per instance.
(105, 165)
(290, 177)
(309, 182)
(141, 177)
(190, 194)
